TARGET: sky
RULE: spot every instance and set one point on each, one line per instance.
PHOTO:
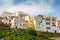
(32, 7)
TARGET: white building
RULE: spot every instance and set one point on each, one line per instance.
(20, 23)
(15, 19)
(6, 14)
(45, 23)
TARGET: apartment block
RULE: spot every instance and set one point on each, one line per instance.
(45, 23)
(15, 19)
(20, 23)
(22, 20)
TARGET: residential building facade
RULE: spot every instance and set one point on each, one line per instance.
(22, 20)
(20, 23)
(45, 23)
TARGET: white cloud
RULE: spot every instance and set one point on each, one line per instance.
(35, 8)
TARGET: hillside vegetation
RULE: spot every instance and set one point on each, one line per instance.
(28, 34)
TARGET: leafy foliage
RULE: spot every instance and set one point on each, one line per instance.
(31, 31)
(28, 34)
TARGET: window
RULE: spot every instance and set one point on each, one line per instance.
(53, 19)
(48, 28)
(38, 23)
(37, 27)
(47, 23)
(24, 24)
(47, 19)
(20, 24)
(53, 24)
(16, 26)
(58, 21)
(55, 31)
(9, 20)
(26, 21)
(43, 18)
(41, 21)
(15, 22)
(42, 25)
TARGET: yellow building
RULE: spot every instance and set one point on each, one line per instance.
(30, 22)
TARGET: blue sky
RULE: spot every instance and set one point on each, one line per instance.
(33, 7)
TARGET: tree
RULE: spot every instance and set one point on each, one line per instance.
(28, 34)
(7, 26)
(31, 31)
(1, 25)
(4, 26)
